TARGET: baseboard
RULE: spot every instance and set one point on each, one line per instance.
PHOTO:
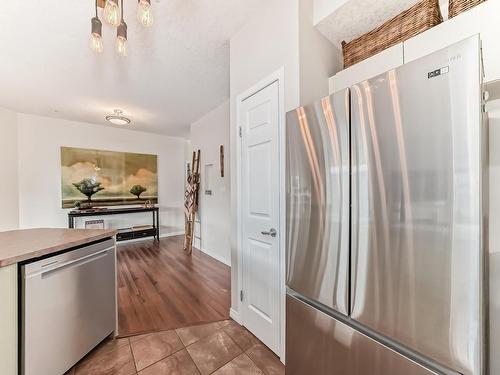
(233, 314)
(171, 234)
(216, 257)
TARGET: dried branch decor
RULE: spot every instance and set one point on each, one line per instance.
(191, 201)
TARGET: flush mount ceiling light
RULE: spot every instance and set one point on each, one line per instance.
(113, 14)
(118, 118)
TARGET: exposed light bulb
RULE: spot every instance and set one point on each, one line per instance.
(144, 14)
(121, 39)
(96, 43)
(112, 13)
(121, 46)
(96, 36)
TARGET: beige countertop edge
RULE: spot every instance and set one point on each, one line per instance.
(26, 247)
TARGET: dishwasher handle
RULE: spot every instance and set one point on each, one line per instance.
(71, 264)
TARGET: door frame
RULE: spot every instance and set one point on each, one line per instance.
(277, 76)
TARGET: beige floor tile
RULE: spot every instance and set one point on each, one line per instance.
(116, 361)
(241, 365)
(138, 337)
(155, 347)
(213, 352)
(190, 335)
(266, 360)
(179, 363)
(240, 335)
(105, 347)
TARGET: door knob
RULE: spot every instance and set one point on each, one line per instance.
(272, 232)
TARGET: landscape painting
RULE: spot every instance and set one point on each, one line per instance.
(107, 178)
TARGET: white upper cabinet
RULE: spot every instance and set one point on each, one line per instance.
(483, 19)
(388, 59)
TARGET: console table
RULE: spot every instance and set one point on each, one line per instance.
(123, 234)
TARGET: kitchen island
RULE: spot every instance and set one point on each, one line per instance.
(21, 247)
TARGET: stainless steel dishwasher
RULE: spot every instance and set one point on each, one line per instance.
(68, 306)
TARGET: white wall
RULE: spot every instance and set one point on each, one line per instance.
(268, 42)
(207, 134)
(39, 143)
(319, 58)
(9, 201)
(281, 35)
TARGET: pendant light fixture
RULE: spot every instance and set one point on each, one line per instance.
(112, 12)
(144, 14)
(96, 33)
(121, 36)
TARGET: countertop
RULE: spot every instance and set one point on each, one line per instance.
(20, 245)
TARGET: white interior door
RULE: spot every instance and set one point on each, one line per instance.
(259, 122)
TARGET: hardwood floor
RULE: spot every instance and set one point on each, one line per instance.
(162, 288)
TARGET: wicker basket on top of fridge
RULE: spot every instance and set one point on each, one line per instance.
(419, 18)
(455, 7)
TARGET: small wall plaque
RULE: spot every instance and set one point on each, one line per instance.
(221, 160)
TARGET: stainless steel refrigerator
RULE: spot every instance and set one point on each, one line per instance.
(386, 216)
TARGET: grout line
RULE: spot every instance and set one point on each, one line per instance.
(133, 357)
(185, 347)
(87, 357)
(168, 356)
(256, 365)
(242, 351)
(192, 360)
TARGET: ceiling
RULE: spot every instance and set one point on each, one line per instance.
(175, 72)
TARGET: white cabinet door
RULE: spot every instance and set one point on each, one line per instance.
(389, 59)
(483, 20)
(8, 320)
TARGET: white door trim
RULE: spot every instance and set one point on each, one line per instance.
(278, 76)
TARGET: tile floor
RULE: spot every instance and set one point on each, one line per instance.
(219, 348)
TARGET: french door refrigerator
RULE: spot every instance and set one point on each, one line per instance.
(385, 250)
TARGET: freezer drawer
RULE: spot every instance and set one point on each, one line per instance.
(321, 345)
(68, 307)
(417, 250)
(317, 210)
